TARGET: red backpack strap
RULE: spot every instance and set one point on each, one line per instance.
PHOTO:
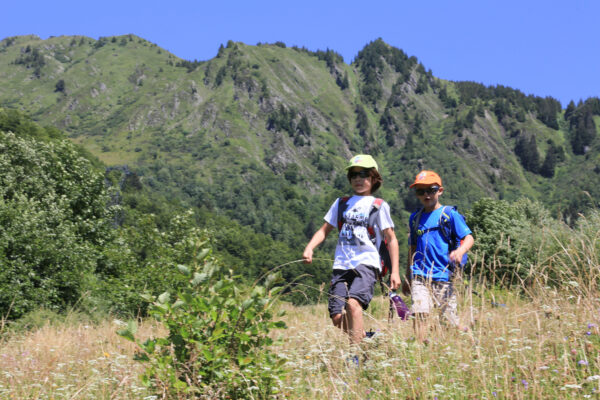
(342, 205)
(375, 207)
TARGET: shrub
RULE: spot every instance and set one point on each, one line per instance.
(53, 222)
(510, 239)
(218, 340)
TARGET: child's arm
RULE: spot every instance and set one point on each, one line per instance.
(457, 255)
(392, 242)
(316, 240)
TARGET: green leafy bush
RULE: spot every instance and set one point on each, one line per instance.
(143, 257)
(218, 345)
(511, 239)
(54, 220)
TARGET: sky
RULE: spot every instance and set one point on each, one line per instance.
(541, 47)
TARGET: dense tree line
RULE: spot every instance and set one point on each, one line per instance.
(581, 124)
(372, 60)
(546, 109)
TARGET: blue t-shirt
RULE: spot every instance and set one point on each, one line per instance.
(431, 256)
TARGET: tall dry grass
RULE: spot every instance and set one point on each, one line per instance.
(71, 361)
(537, 340)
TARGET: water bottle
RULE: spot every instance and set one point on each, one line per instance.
(400, 306)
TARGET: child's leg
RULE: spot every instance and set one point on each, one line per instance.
(338, 295)
(360, 293)
(422, 304)
(355, 320)
(445, 297)
(340, 321)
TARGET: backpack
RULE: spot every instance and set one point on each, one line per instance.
(444, 228)
(384, 253)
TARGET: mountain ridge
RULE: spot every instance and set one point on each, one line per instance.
(290, 114)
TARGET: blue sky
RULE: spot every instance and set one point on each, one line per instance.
(541, 47)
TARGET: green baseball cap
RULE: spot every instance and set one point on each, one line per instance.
(363, 161)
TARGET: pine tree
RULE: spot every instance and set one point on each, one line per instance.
(526, 150)
(569, 111)
(583, 129)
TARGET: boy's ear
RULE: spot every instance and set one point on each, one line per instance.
(441, 190)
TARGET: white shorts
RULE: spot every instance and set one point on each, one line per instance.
(427, 295)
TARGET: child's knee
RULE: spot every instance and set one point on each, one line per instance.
(337, 319)
(354, 305)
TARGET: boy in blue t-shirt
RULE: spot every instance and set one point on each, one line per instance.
(431, 261)
(357, 262)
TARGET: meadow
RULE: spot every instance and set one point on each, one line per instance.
(545, 347)
(536, 340)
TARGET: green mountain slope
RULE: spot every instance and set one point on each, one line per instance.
(261, 133)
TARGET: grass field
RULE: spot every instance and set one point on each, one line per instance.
(532, 341)
(544, 346)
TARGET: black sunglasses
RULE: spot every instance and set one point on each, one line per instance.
(363, 173)
(429, 190)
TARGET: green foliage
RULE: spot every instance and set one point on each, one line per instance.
(283, 119)
(143, 258)
(547, 110)
(218, 345)
(32, 58)
(53, 223)
(554, 155)
(194, 144)
(583, 128)
(509, 239)
(362, 121)
(526, 150)
(60, 86)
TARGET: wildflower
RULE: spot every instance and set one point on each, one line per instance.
(494, 394)
(525, 383)
(582, 362)
(590, 326)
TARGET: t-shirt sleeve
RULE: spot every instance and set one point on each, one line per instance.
(332, 214)
(459, 226)
(385, 218)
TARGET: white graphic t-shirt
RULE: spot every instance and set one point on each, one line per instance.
(354, 246)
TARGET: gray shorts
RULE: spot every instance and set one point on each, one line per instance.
(357, 283)
(427, 295)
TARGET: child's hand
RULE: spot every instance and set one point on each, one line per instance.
(395, 281)
(456, 256)
(307, 256)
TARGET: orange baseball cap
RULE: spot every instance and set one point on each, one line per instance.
(427, 178)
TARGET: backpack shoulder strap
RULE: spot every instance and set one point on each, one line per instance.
(375, 207)
(445, 225)
(342, 205)
(415, 222)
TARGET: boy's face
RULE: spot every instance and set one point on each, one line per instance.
(361, 181)
(429, 195)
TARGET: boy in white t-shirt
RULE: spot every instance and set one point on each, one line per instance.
(357, 263)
